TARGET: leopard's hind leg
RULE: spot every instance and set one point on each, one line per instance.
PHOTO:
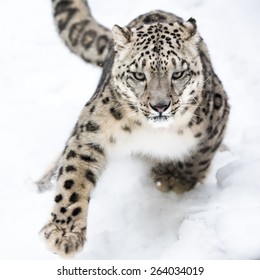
(167, 177)
(182, 176)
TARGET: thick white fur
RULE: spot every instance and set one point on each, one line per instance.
(162, 143)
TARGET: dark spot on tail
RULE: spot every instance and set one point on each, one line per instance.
(102, 43)
(76, 30)
(63, 7)
(88, 38)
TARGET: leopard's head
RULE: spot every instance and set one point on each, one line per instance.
(158, 68)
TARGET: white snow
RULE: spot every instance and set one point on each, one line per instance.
(43, 88)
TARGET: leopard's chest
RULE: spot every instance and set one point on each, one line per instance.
(158, 143)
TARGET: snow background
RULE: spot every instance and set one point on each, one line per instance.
(43, 88)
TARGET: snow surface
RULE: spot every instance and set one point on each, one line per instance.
(43, 88)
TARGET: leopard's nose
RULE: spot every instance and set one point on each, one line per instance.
(160, 107)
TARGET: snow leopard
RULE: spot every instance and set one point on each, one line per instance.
(158, 98)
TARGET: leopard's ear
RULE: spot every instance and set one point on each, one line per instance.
(190, 29)
(191, 26)
(122, 36)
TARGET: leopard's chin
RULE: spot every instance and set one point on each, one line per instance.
(159, 121)
(159, 118)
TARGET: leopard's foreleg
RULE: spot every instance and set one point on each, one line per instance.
(80, 167)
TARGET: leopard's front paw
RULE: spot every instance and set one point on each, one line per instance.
(62, 240)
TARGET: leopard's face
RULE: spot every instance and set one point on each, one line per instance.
(158, 69)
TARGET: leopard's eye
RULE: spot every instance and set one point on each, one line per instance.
(177, 75)
(139, 76)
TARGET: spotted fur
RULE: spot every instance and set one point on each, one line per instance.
(158, 98)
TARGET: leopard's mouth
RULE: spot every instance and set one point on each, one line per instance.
(157, 118)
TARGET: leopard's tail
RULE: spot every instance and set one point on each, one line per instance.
(80, 32)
